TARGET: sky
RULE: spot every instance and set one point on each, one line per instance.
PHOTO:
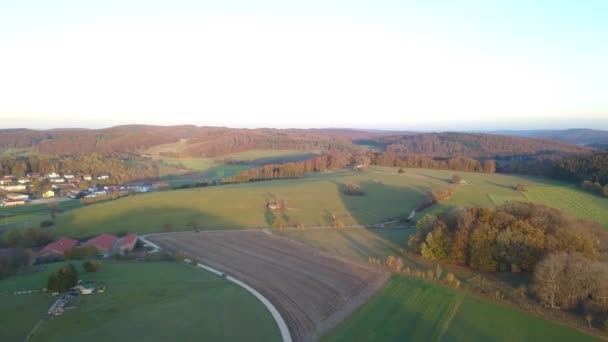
(415, 65)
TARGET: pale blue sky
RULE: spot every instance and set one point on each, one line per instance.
(370, 64)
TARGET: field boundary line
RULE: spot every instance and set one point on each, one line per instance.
(273, 311)
(285, 335)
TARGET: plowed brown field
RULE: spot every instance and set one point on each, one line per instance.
(312, 290)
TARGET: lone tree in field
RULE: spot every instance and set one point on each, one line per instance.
(401, 170)
(63, 279)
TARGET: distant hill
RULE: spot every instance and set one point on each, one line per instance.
(581, 136)
(194, 141)
(451, 144)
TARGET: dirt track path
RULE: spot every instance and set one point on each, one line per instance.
(312, 290)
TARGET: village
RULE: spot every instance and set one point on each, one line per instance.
(37, 188)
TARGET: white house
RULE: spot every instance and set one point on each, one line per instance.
(87, 177)
(101, 177)
(19, 187)
(57, 180)
(68, 176)
(23, 180)
(52, 175)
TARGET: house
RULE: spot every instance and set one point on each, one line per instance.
(57, 180)
(87, 177)
(52, 175)
(23, 180)
(12, 203)
(68, 176)
(19, 187)
(48, 194)
(102, 177)
(6, 180)
(103, 243)
(128, 242)
(56, 249)
(20, 197)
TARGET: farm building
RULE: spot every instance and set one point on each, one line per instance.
(128, 242)
(55, 249)
(87, 177)
(103, 243)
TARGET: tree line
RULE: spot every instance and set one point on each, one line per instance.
(360, 160)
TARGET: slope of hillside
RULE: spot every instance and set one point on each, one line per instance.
(582, 136)
(451, 144)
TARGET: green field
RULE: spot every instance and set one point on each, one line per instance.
(315, 200)
(199, 169)
(414, 310)
(575, 201)
(151, 301)
(31, 215)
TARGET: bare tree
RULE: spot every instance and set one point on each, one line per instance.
(547, 278)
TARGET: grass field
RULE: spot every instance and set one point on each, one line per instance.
(229, 165)
(413, 310)
(312, 201)
(578, 202)
(31, 215)
(156, 301)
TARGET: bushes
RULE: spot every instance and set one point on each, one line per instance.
(513, 237)
(31, 237)
(92, 266)
(352, 190)
(46, 223)
(521, 188)
(441, 194)
(63, 279)
(80, 253)
(456, 179)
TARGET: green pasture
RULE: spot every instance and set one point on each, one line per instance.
(415, 310)
(312, 201)
(152, 301)
(31, 215)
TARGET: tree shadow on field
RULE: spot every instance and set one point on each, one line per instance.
(144, 220)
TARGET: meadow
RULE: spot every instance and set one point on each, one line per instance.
(199, 169)
(312, 201)
(31, 215)
(415, 310)
(155, 301)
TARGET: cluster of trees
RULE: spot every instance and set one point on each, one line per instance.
(566, 281)
(28, 238)
(63, 279)
(513, 237)
(14, 259)
(595, 188)
(426, 161)
(591, 167)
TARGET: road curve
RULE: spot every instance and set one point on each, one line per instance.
(273, 311)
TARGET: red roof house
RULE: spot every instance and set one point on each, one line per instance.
(128, 242)
(57, 248)
(103, 243)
